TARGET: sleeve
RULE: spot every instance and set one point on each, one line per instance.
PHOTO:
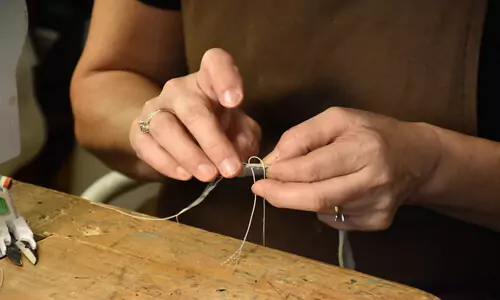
(163, 4)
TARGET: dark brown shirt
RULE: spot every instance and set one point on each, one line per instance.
(414, 60)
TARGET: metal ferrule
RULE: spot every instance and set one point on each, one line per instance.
(258, 170)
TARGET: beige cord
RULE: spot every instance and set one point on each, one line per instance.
(236, 255)
(1, 277)
(196, 202)
(345, 254)
(200, 199)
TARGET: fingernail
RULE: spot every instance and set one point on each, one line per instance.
(229, 166)
(182, 172)
(206, 170)
(231, 97)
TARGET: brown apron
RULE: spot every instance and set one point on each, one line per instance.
(415, 60)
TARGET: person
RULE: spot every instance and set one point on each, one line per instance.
(371, 107)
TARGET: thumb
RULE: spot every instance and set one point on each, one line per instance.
(308, 136)
(219, 79)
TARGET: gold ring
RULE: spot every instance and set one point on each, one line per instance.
(144, 125)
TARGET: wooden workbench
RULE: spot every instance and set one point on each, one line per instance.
(94, 253)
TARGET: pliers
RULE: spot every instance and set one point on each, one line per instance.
(16, 237)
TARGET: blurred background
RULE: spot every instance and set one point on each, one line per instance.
(50, 156)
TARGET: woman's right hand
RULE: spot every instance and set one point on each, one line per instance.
(201, 132)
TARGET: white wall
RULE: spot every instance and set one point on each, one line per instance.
(21, 121)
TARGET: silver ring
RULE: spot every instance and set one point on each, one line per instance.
(144, 125)
(338, 216)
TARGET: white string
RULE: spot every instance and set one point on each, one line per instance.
(345, 253)
(195, 203)
(236, 255)
(199, 200)
(344, 244)
(342, 236)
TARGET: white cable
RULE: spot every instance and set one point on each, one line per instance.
(345, 253)
(109, 186)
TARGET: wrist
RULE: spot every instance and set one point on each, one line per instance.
(431, 149)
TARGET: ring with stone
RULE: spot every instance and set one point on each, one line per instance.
(144, 125)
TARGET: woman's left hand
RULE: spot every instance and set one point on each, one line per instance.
(365, 164)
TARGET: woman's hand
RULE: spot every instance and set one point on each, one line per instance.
(200, 131)
(366, 164)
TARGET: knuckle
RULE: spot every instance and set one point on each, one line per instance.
(384, 178)
(340, 114)
(193, 112)
(376, 142)
(148, 106)
(336, 111)
(374, 146)
(173, 84)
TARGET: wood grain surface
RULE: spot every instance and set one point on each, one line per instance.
(90, 252)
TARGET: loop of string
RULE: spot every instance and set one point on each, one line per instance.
(209, 188)
(236, 255)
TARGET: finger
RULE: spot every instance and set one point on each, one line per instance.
(219, 78)
(196, 112)
(336, 159)
(316, 132)
(202, 123)
(149, 151)
(245, 134)
(320, 196)
(171, 135)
